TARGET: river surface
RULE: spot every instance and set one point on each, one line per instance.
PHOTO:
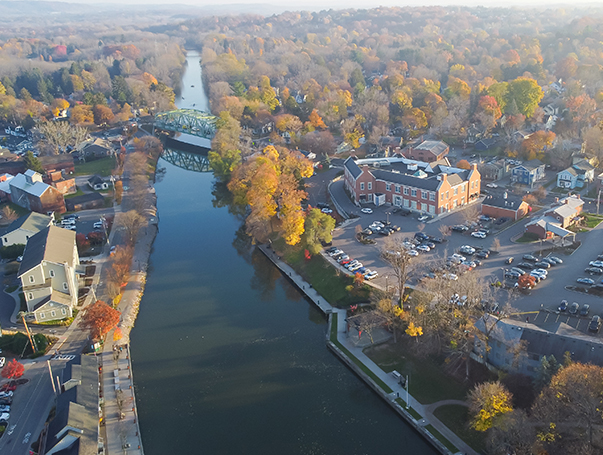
(228, 356)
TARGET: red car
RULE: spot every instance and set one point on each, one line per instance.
(347, 261)
(8, 387)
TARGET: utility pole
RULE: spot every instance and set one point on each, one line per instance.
(599, 200)
(407, 387)
(33, 345)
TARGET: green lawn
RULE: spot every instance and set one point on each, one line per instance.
(428, 383)
(79, 192)
(323, 276)
(333, 337)
(102, 167)
(528, 237)
(592, 220)
(440, 437)
(456, 418)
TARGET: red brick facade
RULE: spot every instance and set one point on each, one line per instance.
(500, 212)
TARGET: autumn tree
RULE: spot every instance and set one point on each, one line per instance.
(81, 114)
(526, 93)
(488, 403)
(463, 164)
(131, 222)
(13, 370)
(102, 114)
(526, 281)
(318, 228)
(58, 105)
(316, 120)
(537, 144)
(99, 318)
(514, 433)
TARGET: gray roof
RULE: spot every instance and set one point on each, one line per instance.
(435, 147)
(95, 179)
(510, 203)
(429, 183)
(33, 222)
(352, 167)
(20, 181)
(53, 244)
(532, 164)
(571, 170)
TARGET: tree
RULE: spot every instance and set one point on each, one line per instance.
(403, 265)
(463, 164)
(488, 403)
(7, 215)
(102, 114)
(470, 214)
(100, 318)
(131, 222)
(572, 403)
(117, 334)
(548, 368)
(526, 281)
(495, 245)
(526, 93)
(537, 144)
(13, 370)
(58, 106)
(81, 114)
(33, 163)
(316, 120)
(514, 434)
(58, 136)
(318, 228)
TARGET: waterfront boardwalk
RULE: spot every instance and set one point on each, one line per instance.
(344, 338)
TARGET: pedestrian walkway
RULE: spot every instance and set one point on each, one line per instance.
(347, 341)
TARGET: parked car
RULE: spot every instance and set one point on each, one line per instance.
(512, 274)
(355, 267)
(466, 249)
(423, 248)
(8, 393)
(4, 417)
(458, 257)
(484, 254)
(423, 218)
(573, 309)
(413, 253)
(518, 270)
(550, 261)
(525, 265)
(478, 235)
(326, 210)
(331, 250)
(585, 310)
(421, 236)
(367, 210)
(542, 264)
(563, 306)
(588, 281)
(345, 257)
(460, 228)
(598, 264)
(5, 408)
(530, 257)
(98, 225)
(335, 252)
(394, 228)
(509, 260)
(371, 275)
(68, 221)
(595, 324)
(556, 259)
(593, 270)
(450, 276)
(502, 220)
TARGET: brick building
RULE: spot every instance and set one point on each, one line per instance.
(431, 188)
(507, 206)
(427, 151)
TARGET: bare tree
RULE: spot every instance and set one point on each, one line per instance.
(131, 222)
(445, 231)
(495, 245)
(470, 214)
(8, 215)
(57, 136)
(403, 264)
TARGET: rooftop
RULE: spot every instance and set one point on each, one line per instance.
(510, 202)
(53, 244)
(33, 222)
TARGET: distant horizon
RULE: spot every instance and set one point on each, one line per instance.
(322, 5)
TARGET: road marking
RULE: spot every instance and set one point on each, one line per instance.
(26, 438)
(11, 429)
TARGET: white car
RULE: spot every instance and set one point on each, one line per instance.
(367, 210)
(6, 394)
(541, 271)
(377, 224)
(492, 185)
(478, 235)
(423, 218)
(466, 249)
(72, 227)
(413, 253)
(4, 417)
(450, 276)
(326, 210)
(98, 225)
(356, 267)
(537, 274)
(2, 361)
(423, 248)
(458, 257)
(598, 264)
(370, 275)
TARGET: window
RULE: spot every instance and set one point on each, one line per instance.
(442, 197)
(42, 315)
(31, 278)
(432, 196)
(370, 198)
(5, 239)
(406, 203)
(370, 185)
(397, 201)
(432, 209)
(63, 311)
(398, 189)
(30, 295)
(53, 313)
(27, 237)
(406, 190)
(423, 194)
(361, 186)
(388, 186)
(463, 189)
(456, 191)
(413, 192)
(52, 273)
(65, 286)
(423, 207)
(447, 195)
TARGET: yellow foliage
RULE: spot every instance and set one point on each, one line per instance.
(414, 331)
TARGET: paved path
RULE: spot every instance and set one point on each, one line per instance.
(347, 340)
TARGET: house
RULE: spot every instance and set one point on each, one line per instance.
(85, 202)
(485, 144)
(7, 156)
(75, 426)
(29, 191)
(95, 148)
(427, 151)
(62, 162)
(494, 170)
(474, 134)
(555, 338)
(23, 228)
(64, 185)
(5, 187)
(576, 175)
(555, 221)
(48, 274)
(391, 144)
(519, 136)
(97, 183)
(421, 187)
(507, 206)
(528, 173)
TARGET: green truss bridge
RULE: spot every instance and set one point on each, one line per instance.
(186, 160)
(189, 121)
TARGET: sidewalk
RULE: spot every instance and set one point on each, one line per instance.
(398, 391)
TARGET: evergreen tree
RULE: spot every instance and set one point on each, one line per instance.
(33, 163)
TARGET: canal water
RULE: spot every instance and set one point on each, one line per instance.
(228, 357)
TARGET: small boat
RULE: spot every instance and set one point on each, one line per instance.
(193, 104)
(182, 97)
(193, 86)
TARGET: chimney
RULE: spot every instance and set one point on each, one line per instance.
(443, 177)
(578, 195)
(474, 167)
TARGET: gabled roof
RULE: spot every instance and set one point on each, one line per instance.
(33, 222)
(435, 147)
(583, 165)
(570, 170)
(511, 202)
(53, 244)
(35, 189)
(95, 180)
(352, 167)
(454, 179)
(531, 165)
(430, 183)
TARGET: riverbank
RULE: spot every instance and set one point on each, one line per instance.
(340, 342)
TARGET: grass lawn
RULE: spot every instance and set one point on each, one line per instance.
(456, 418)
(428, 383)
(361, 365)
(323, 276)
(102, 167)
(592, 220)
(440, 437)
(528, 237)
(79, 192)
